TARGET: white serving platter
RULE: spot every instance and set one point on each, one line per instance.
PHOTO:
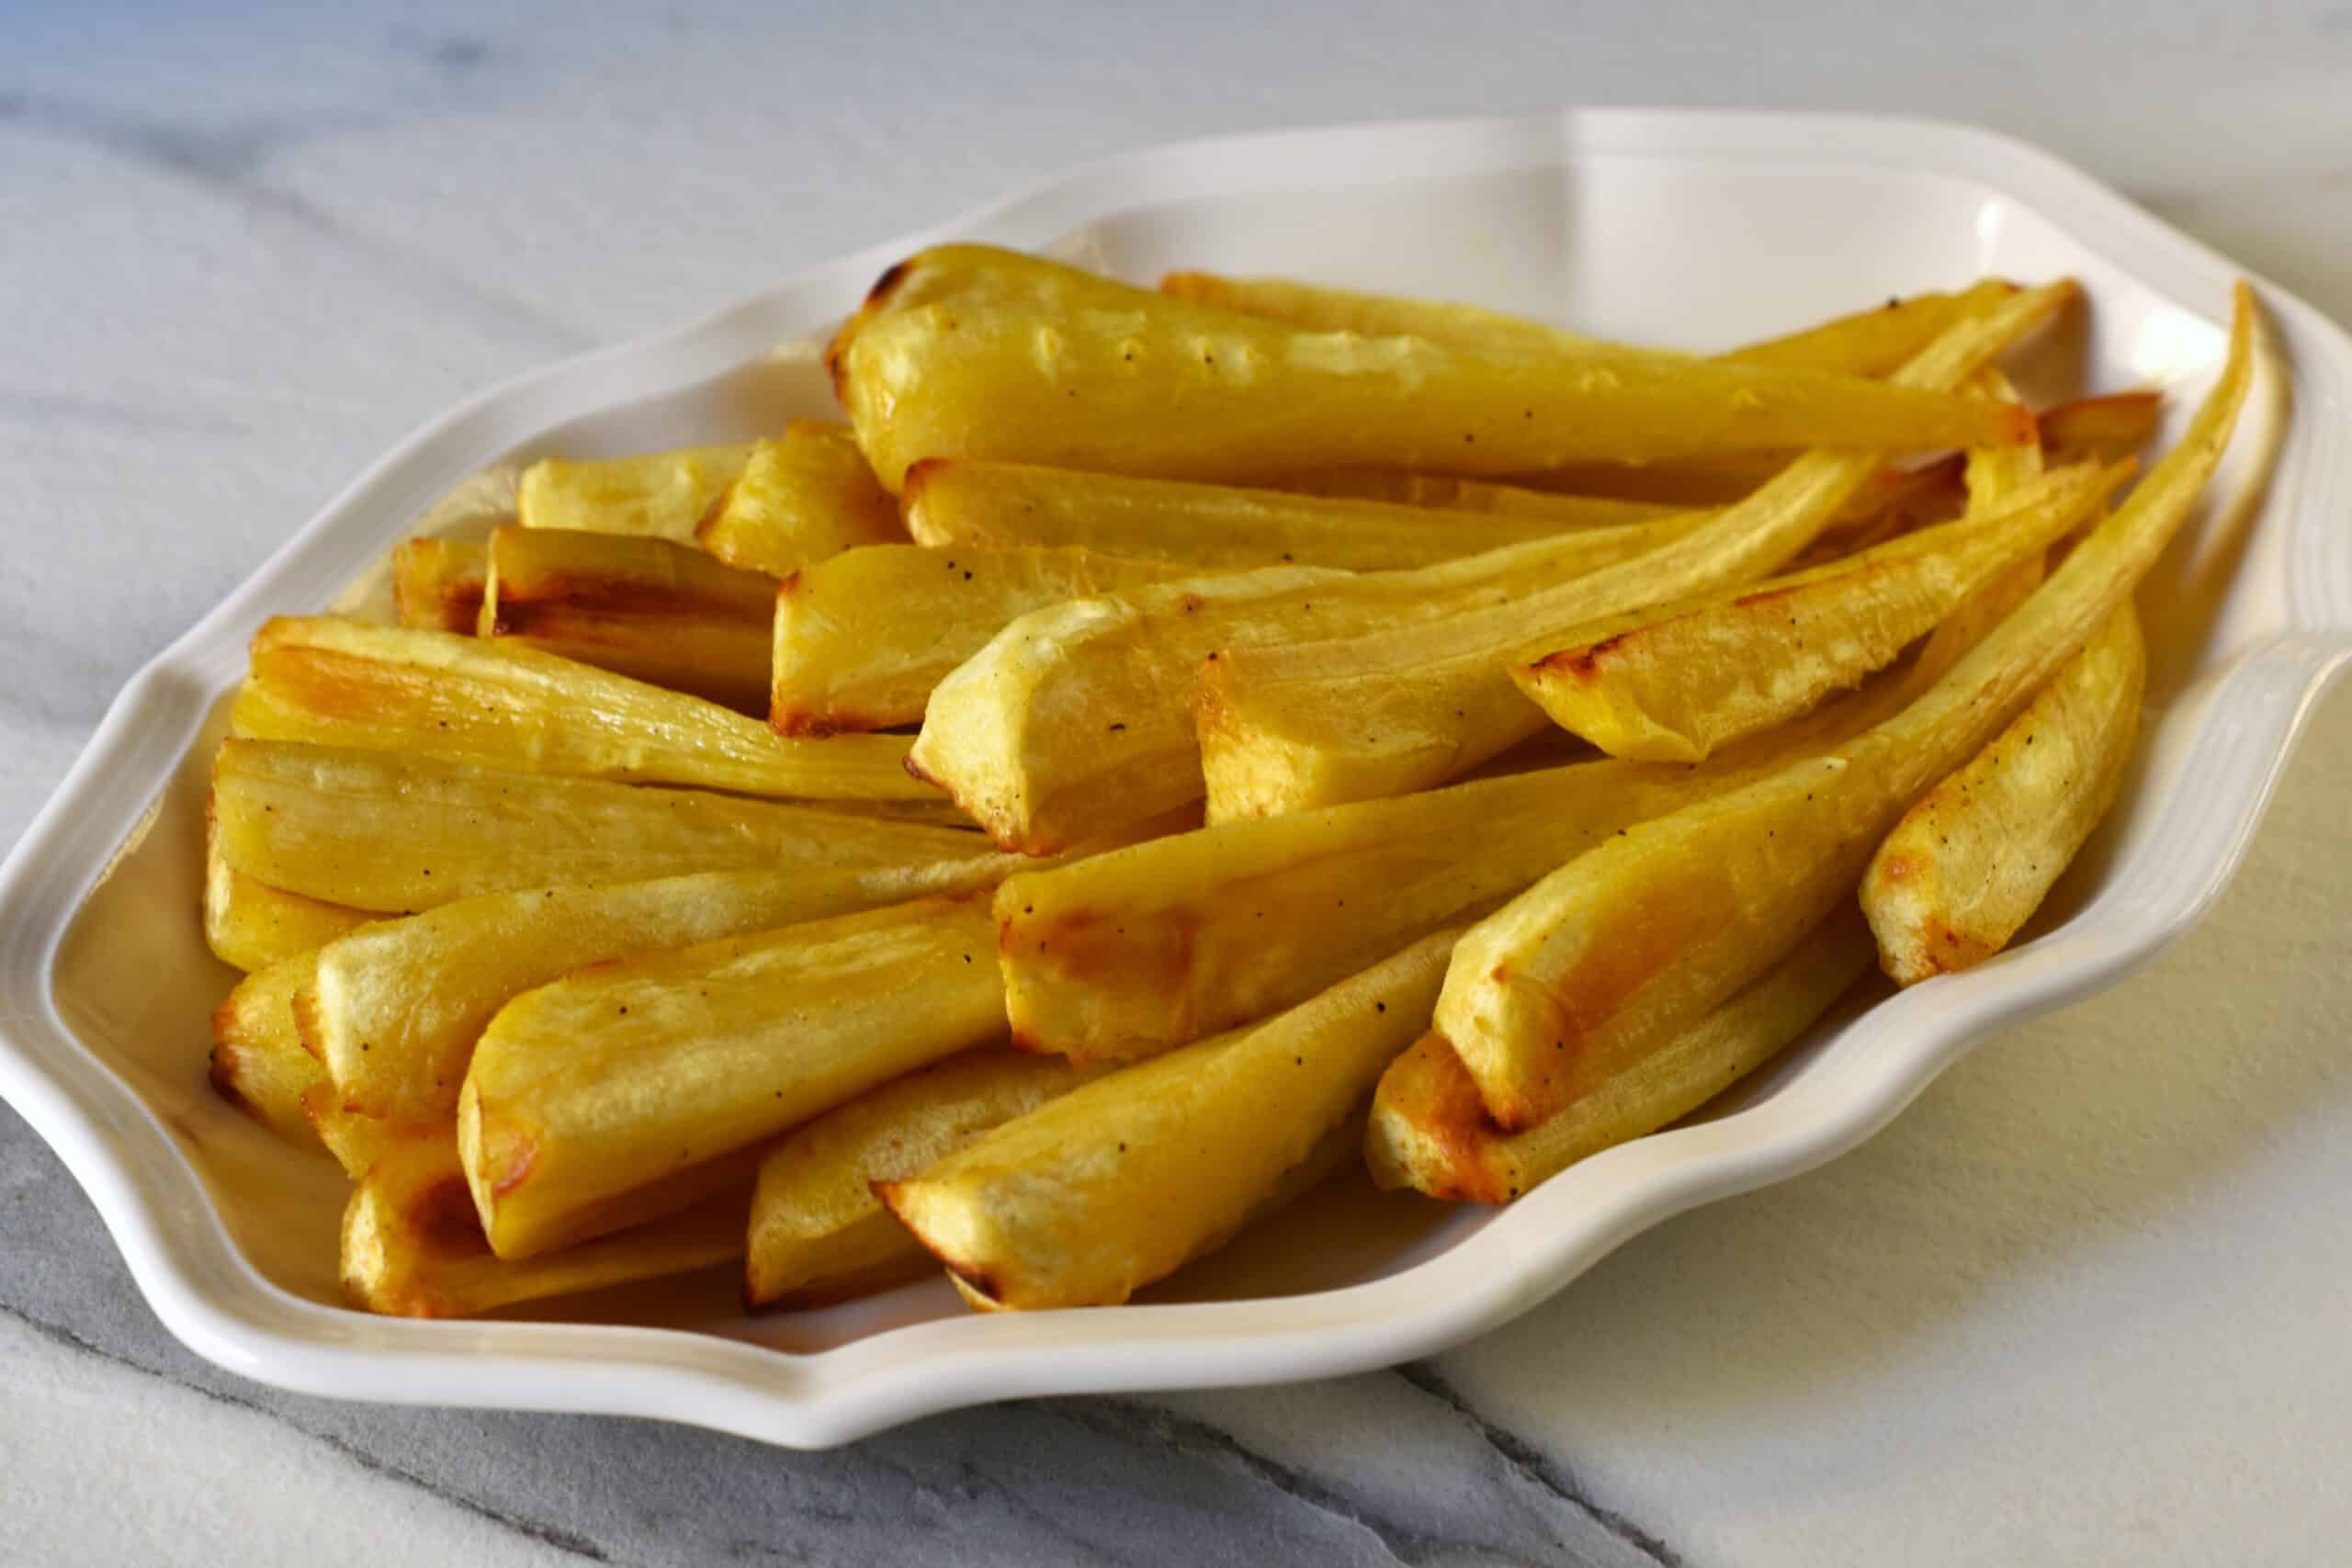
(1689, 229)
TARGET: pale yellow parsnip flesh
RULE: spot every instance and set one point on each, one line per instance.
(660, 495)
(818, 1231)
(394, 1010)
(1972, 859)
(326, 680)
(604, 1082)
(1870, 342)
(1231, 528)
(376, 831)
(1094, 1195)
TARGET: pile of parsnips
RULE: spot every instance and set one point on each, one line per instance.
(1360, 702)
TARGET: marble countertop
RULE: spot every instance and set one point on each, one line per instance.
(2084, 1301)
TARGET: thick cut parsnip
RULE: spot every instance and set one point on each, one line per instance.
(1429, 1131)
(1673, 683)
(798, 501)
(818, 1231)
(381, 832)
(258, 1063)
(438, 584)
(251, 925)
(967, 352)
(1872, 342)
(1631, 941)
(859, 639)
(1085, 1200)
(1292, 725)
(394, 1013)
(326, 680)
(1972, 859)
(661, 612)
(585, 1089)
(413, 1247)
(1223, 527)
(662, 495)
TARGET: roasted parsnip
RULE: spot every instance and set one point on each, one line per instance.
(1675, 682)
(394, 1013)
(380, 832)
(965, 502)
(584, 1091)
(1969, 862)
(656, 612)
(1094, 1195)
(963, 351)
(326, 680)
(413, 1247)
(799, 499)
(817, 1233)
(258, 1063)
(250, 925)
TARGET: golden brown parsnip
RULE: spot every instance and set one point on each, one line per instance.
(377, 832)
(963, 501)
(963, 351)
(394, 1013)
(1090, 1197)
(818, 1231)
(1975, 857)
(661, 612)
(586, 1089)
(326, 680)
(412, 1246)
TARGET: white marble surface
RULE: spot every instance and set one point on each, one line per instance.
(2084, 1303)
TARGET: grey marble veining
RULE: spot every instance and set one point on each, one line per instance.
(2082, 1303)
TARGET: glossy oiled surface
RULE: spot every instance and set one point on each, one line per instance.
(1943, 1334)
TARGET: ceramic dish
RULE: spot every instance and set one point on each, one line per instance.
(1684, 228)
